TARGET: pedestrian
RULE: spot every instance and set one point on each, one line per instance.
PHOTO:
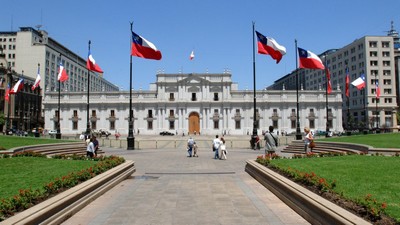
(271, 142)
(257, 143)
(216, 144)
(190, 144)
(90, 149)
(82, 137)
(96, 145)
(223, 150)
(195, 148)
(308, 138)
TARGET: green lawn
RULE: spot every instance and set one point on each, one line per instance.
(34, 172)
(387, 140)
(8, 142)
(356, 176)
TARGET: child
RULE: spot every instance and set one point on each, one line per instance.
(223, 150)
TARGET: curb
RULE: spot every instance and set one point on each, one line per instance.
(312, 207)
(65, 204)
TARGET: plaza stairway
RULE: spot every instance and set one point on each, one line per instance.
(297, 147)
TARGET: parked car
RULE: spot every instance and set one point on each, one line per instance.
(166, 133)
(53, 132)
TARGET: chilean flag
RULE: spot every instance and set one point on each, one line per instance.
(17, 87)
(269, 46)
(328, 79)
(143, 48)
(378, 90)
(62, 73)
(191, 57)
(7, 95)
(309, 60)
(37, 81)
(91, 64)
(359, 83)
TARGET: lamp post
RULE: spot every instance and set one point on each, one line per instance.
(298, 133)
(130, 139)
(254, 133)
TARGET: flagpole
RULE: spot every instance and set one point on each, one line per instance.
(298, 133)
(376, 105)
(365, 113)
(37, 109)
(326, 100)
(87, 104)
(58, 134)
(130, 139)
(348, 100)
(254, 135)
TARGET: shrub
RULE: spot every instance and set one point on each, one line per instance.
(26, 198)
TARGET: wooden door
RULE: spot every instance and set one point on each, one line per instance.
(194, 123)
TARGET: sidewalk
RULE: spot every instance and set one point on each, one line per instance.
(170, 188)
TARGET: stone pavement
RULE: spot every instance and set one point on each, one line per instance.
(170, 188)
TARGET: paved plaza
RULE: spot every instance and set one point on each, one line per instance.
(170, 188)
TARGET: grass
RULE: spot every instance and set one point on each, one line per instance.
(9, 142)
(356, 176)
(33, 172)
(387, 140)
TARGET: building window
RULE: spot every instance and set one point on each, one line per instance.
(386, 54)
(387, 91)
(373, 44)
(171, 113)
(149, 125)
(194, 97)
(112, 125)
(388, 100)
(275, 124)
(112, 113)
(172, 125)
(75, 113)
(293, 124)
(373, 63)
(386, 63)
(150, 113)
(385, 44)
(216, 124)
(74, 125)
(171, 97)
(312, 124)
(387, 82)
(237, 125)
(386, 73)
(216, 97)
(373, 54)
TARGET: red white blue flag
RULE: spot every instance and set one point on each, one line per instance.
(17, 87)
(7, 94)
(91, 64)
(359, 83)
(269, 46)
(309, 60)
(37, 81)
(378, 90)
(143, 48)
(62, 73)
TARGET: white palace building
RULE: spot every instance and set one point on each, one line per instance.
(203, 103)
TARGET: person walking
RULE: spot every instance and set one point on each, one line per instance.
(195, 148)
(190, 144)
(271, 142)
(96, 145)
(308, 138)
(223, 150)
(90, 149)
(216, 144)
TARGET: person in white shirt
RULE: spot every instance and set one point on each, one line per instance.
(223, 150)
(216, 144)
(90, 149)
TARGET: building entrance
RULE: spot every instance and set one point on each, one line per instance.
(194, 123)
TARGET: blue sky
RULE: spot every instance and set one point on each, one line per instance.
(220, 32)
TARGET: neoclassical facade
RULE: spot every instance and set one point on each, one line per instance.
(202, 103)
